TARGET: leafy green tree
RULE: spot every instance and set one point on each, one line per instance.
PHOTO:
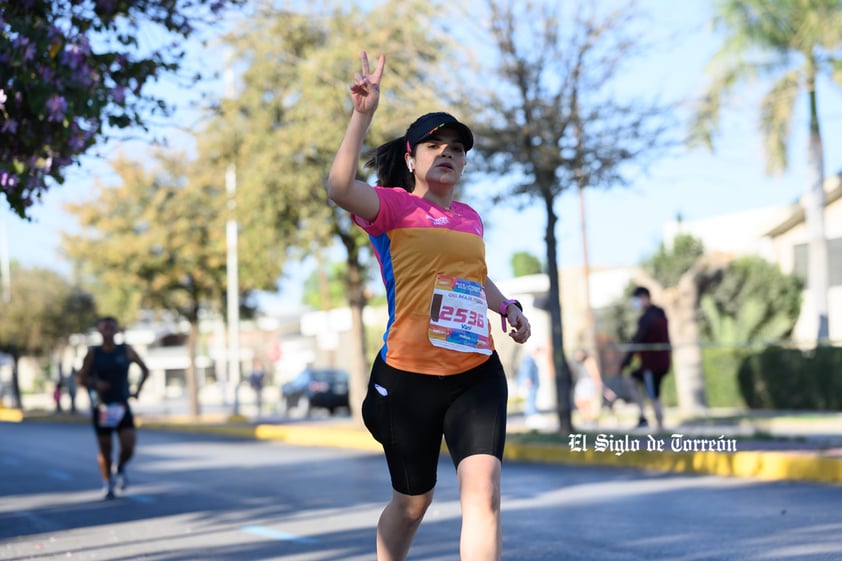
(553, 120)
(72, 71)
(157, 241)
(524, 263)
(43, 310)
(290, 111)
(794, 43)
(669, 263)
(752, 302)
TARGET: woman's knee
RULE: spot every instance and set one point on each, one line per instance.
(479, 481)
(411, 508)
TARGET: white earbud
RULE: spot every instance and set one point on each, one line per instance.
(410, 165)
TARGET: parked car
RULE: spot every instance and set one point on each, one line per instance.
(325, 388)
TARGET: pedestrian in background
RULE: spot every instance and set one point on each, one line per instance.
(588, 388)
(651, 344)
(71, 389)
(256, 381)
(437, 373)
(105, 372)
(528, 379)
(57, 392)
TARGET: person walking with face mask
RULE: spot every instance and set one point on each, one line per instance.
(437, 374)
(655, 356)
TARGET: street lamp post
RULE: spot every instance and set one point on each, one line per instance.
(232, 265)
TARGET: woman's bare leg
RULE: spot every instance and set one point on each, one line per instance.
(479, 495)
(398, 524)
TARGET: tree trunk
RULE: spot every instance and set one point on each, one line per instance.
(814, 201)
(682, 304)
(192, 379)
(358, 361)
(16, 399)
(559, 362)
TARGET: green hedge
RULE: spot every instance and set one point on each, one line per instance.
(771, 378)
(780, 378)
(719, 366)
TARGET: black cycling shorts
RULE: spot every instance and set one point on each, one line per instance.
(408, 414)
(127, 422)
(652, 384)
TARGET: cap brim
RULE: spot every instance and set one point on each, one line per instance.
(465, 134)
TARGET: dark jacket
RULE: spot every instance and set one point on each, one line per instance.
(652, 329)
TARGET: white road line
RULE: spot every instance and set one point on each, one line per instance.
(276, 534)
(60, 475)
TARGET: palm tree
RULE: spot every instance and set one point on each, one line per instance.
(792, 43)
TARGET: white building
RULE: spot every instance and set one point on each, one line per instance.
(779, 235)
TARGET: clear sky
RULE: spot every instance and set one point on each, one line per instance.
(624, 225)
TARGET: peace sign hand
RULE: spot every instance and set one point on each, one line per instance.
(365, 91)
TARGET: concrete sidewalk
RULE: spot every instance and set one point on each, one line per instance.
(802, 446)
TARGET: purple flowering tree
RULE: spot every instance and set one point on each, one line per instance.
(73, 71)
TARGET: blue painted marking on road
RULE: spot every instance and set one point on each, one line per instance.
(276, 534)
(145, 499)
(60, 475)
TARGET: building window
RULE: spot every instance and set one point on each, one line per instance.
(834, 250)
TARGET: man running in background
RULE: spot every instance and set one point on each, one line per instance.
(105, 372)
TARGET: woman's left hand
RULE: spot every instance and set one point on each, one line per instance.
(521, 330)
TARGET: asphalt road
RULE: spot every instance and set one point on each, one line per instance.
(196, 498)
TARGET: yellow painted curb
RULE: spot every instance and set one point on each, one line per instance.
(319, 436)
(11, 415)
(199, 428)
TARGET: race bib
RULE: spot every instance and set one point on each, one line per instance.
(110, 415)
(458, 318)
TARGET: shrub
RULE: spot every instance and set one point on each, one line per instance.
(780, 378)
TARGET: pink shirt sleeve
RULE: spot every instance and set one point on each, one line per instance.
(394, 205)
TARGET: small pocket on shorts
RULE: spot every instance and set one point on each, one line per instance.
(377, 417)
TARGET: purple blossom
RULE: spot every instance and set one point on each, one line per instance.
(84, 45)
(106, 6)
(72, 57)
(55, 32)
(28, 47)
(76, 141)
(7, 179)
(46, 73)
(119, 94)
(10, 126)
(57, 106)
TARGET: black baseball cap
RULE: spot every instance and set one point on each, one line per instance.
(426, 125)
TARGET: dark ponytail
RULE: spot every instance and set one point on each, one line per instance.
(389, 164)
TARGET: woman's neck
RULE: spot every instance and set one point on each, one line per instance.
(438, 198)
